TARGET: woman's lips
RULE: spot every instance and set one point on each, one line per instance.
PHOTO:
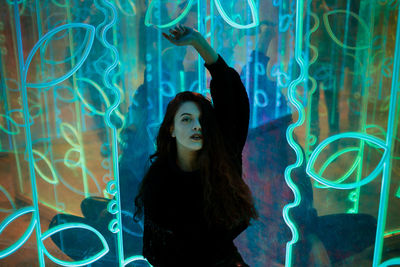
(196, 137)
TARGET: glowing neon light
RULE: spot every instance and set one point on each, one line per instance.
(362, 25)
(9, 119)
(53, 180)
(254, 15)
(385, 188)
(14, 247)
(86, 171)
(169, 24)
(84, 262)
(90, 29)
(124, 10)
(365, 137)
(2, 189)
(67, 161)
(337, 155)
(59, 92)
(391, 262)
(136, 258)
(289, 135)
(63, 127)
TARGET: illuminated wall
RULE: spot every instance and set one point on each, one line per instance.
(84, 85)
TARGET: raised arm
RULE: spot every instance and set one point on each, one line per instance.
(229, 96)
(182, 36)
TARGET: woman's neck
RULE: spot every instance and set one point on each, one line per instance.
(186, 160)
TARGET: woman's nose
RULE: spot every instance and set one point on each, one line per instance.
(196, 125)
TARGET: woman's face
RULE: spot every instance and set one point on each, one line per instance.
(187, 128)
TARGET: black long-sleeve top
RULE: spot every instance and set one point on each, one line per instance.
(176, 232)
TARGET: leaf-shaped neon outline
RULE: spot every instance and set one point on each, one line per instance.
(365, 137)
(136, 258)
(63, 88)
(390, 262)
(334, 157)
(20, 113)
(228, 20)
(8, 118)
(75, 163)
(9, 198)
(101, 92)
(91, 32)
(63, 127)
(87, 171)
(6, 252)
(123, 11)
(332, 35)
(126, 229)
(65, 226)
(41, 174)
(169, 24)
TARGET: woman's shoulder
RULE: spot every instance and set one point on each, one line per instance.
(156, 170)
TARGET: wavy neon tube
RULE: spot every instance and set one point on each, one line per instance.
(289, 135)
(115, 224)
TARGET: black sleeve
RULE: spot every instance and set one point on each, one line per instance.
(231, 103)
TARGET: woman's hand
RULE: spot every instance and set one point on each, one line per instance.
(182, 35)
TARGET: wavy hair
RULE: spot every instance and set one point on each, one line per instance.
(227, 198)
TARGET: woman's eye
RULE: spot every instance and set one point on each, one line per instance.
(186, 119)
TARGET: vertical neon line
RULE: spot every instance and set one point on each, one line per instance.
(364, 115)
(114, 139)
(77, 107)
(384, 197)
(159, 58)
(202, 29)
(255, 74)
(16, 153)
(22, 70)
(289, 134)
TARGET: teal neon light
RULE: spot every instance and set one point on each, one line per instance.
(362, 24)
(66, 226)
(254, 14)
(289, 135)
(90, 30)
(154, 3)
(364, 137)
(255, 20)
(335, 156)
(10, 120)
(9, 198)
(10, 218)
(391, 262)
(385, 187)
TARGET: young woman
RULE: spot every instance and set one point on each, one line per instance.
(194, 200)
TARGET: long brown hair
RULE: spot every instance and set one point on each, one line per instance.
(227, 198)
